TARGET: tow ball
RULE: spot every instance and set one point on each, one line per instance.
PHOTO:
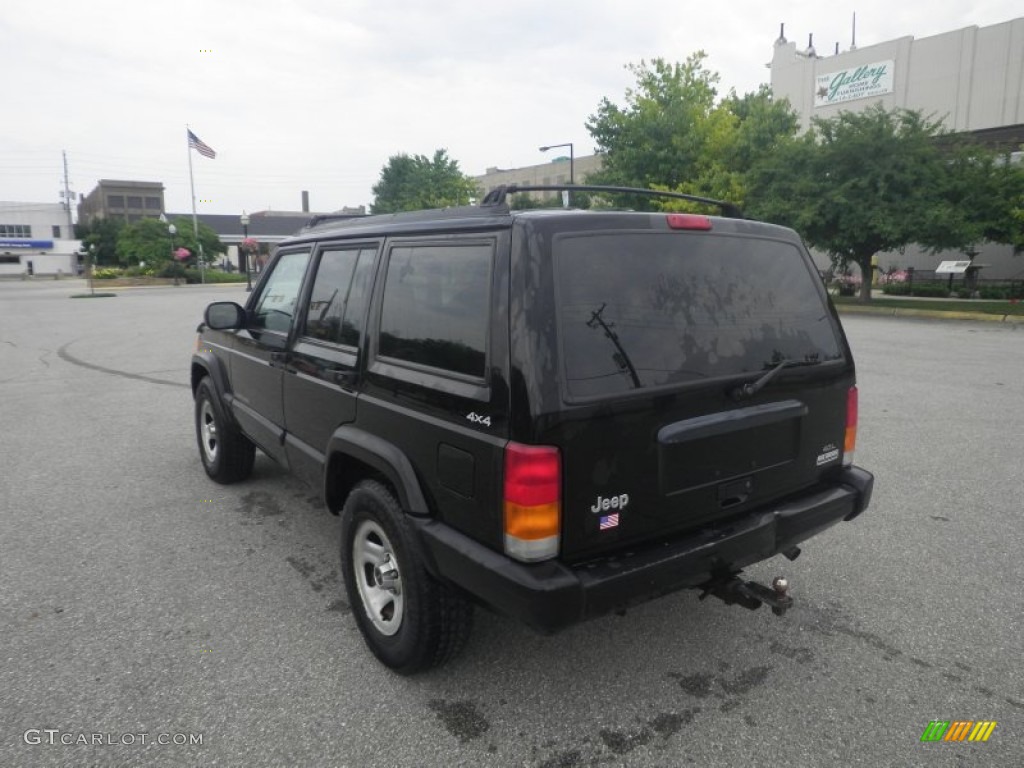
(750, 594)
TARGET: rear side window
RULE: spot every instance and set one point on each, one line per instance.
(340, 290)
(436, 305)
(643, 310)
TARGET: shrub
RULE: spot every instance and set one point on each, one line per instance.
(171, 269)
(106, 273)
(213, 276)
(931, 290)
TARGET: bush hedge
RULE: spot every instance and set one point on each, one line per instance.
(998, 291)
(213, 276)
(933, 290)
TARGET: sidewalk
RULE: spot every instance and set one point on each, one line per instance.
(876, 293)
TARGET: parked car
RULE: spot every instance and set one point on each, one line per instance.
(552, 413)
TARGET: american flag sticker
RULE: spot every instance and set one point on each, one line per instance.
(609, 521)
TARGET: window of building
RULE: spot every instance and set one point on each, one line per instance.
(56, 230)
(340, 293)
(436, 303)
(134, 201)
(15, 230)
(115, 201)
(8, 258)
(152, 203)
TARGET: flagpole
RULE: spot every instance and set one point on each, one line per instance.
(195, 220)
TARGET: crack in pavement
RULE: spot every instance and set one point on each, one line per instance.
(66, 356)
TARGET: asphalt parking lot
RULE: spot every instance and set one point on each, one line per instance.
(138, 597)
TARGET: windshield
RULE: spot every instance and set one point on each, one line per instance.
(640, 310)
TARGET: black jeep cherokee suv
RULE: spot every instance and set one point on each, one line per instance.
(554, 413)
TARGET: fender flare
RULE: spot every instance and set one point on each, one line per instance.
(213, 368)
(211, 365)
(384, 457)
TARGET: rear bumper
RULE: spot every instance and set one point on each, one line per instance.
(551, 595)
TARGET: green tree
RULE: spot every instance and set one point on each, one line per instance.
(185, 238)
(150, 240)
(100, 235)
(673, 134)
(411, 183)
(147, 240)
(861, 183)
(986, 194)
(762, 125)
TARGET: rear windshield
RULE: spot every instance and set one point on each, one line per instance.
(640, 310)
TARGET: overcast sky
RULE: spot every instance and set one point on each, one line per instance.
(317, 94)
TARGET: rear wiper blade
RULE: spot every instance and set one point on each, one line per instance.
(751, 388)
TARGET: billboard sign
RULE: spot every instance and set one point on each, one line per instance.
(861, 82)
(34, 244)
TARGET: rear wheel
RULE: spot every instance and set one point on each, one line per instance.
(409, 620)
(226, 453)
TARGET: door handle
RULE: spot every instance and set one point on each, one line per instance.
(345, 379)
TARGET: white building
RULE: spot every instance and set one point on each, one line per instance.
(971, 79)
(36, 239)
(555, 172)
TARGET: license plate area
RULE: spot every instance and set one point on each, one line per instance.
(728, 446)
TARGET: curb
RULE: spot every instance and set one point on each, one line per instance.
(929, 313)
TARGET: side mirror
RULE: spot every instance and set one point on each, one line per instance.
(224, 316)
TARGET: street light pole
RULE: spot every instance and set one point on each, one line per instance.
(572, 163)
(172, 231)
(90, 257)
(245, 249)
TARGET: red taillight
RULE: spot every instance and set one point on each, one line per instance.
(688, 221)
(533, 501)
(850, 441)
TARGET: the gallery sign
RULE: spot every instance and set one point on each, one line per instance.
(860, 82)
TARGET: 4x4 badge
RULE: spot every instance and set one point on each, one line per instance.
(476, 418)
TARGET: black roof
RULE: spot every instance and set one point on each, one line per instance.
(498, 195)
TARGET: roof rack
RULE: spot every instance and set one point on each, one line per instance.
(320, 218)
(405, 217)
(498, 195)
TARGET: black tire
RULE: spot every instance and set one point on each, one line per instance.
(226, 453)
(424, 623)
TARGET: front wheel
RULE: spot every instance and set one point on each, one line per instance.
(226, 453)
(409, 620)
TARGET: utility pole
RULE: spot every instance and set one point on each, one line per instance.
(67, 197)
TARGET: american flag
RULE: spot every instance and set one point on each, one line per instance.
(609, 521)
(197, 144)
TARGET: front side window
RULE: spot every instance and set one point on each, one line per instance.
(275, 306)
(436, 305)
(647, 310)
(340, 291)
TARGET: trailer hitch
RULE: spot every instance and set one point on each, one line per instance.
(734, 591)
